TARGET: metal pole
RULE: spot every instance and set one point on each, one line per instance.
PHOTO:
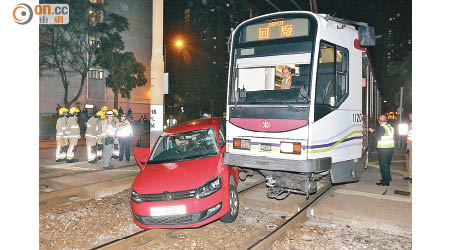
(401, 104)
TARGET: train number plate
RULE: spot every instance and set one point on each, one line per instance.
(169, 210)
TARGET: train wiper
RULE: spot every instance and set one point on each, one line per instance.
(275, 100)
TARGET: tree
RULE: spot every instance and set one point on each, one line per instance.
(125, 72)
(70, 48)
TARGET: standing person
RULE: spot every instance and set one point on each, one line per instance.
(91, 138)
(384, 135)
(73, 133)
(287, 78)
(124, 133)
(409, 149)
(100, 123)
(108, 134)
(171, 121)
(120, 111)
(58, 108)
(129, 112)
(116, 120)
(61, 139)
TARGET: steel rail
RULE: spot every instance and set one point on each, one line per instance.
(147, 235)
(299, 217)
(84, 171)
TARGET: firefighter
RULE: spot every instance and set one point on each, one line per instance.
(73, 133)
(385, 146)
(116, 151)
(61, 139)
(108, 135)
(100, 122)
(91, 138)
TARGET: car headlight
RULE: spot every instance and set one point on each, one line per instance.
(135, 196)
(209, 188)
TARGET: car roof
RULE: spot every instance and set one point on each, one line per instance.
(193, 125)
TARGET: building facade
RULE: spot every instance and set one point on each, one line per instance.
(137, 39)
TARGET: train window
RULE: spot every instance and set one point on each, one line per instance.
(332, 75)
(332, 79)
(341, 74)
(325, 87)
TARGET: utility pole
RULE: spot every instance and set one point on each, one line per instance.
(157, 74)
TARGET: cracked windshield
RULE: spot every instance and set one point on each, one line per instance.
(185, 146)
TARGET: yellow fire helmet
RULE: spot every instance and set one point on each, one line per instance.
(100, 114)
(104, 108)
(62, 111)
(116, 112)
(74, 110)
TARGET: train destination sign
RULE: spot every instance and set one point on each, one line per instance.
(276, 29)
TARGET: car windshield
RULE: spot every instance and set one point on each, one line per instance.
(185, 146)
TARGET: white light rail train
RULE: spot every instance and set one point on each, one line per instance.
(301, 94)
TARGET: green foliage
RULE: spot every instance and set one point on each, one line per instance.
(67, 48)
(125, 72)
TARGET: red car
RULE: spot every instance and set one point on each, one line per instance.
(183, 180)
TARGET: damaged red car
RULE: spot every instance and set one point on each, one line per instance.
(183, 180)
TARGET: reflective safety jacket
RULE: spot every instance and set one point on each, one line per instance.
(72, 128)
(386, 140)
(92, 127)
(61, 127)
(124, 130)
(108, 129)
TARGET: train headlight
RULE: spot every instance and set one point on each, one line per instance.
(290, 148)
(241, 143)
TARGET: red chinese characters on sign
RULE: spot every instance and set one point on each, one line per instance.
(263, 33)
(286, 30)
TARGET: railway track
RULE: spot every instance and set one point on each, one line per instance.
(265, 242)
(147, 235)
(83, 189)
(300, 217)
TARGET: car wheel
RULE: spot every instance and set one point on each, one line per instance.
(234, 206)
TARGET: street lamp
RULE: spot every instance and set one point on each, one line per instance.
(178, 43)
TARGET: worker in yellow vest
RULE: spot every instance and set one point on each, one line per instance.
(384, 136)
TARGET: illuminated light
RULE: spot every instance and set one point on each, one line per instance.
(263, 33)
(179, 43)
(276, 23)
(385, 101)
(290, 148)
(286, 147)
(286, 30)
(236, 143)
(403, 129)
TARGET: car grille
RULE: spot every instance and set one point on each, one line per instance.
(168, 196)
(173, 220)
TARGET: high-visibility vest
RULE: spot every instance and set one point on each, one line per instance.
(409, 138)
(387, 140)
